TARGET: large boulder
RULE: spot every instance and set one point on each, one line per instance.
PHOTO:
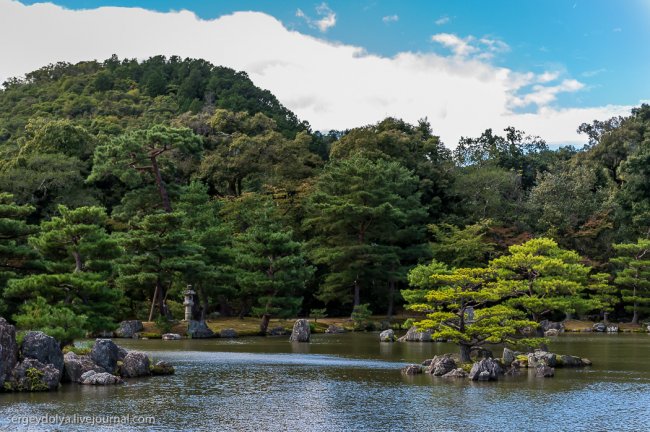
(199, 330)
(8, 349)
(76, 365)
(508, 356)
(129, 329)
(572, 361)
(32, 375)
(540, 357)
(105, 354)
(99, 378)
(547, 325)
(485, 370)
(415, 335)
(551, 333)
(334, 329)
(301, 331)
(412, 369)
(387, 336)
(441, 365)
(135, 364)
(229, 333)
(37, 345)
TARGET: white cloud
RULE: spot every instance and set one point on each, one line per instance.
(390, 18)
(483, 48)
(327, 20)
(333, 86)
(442, 20)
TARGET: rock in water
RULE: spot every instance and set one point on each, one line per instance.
(551, 332)
(99, 378)
(105, 354)
(508, 356)
(543, 371)
(387, 336)
(76, 365)
(301, 331)
(414, 335)
(612, 328)
(129, 329)
(8, 350)
(456, 373)
(135, 364)
(412, 369)
(540, 357)
(334, 329)
(485, 370)
(441, 365)
(44, 348)
(171, 336)
(277, 331)
(228, 333)
(33, 375)
(162, 368)
(599, 327)
(199, 330)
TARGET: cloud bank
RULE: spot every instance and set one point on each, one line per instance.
(333, 86)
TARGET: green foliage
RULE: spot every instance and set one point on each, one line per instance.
(78, 256)
(466, 247)
(56, 320)
(317, 314)
(633, 276)
(271, 268)
(361, 316)
(79, 349)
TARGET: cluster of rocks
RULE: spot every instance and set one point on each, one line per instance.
(605, 328)
(38, 364)
(490, 369)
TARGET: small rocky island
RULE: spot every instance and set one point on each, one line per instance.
(38, 363)
(511, 363)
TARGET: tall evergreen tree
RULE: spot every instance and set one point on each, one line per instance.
(271, 268)
(633, 276)
(355, 215)
(78, 255)
(17, 258)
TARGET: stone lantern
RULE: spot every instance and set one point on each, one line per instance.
(188, 303)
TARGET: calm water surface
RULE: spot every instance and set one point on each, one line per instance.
(352, 382)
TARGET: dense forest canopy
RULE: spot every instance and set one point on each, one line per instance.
(121, 182)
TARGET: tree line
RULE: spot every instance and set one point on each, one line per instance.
(122, 182)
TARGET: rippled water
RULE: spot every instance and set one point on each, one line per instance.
(352, 382)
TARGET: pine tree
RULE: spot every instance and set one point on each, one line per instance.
(78, 254)
(211, 276)
(17, 258)
(543, 278)
(359, 214)
(157, 251)
(464, 306)
(271, 268)
(633, 276)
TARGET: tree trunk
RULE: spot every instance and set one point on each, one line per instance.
(153, 302)
(78, 263)
(357, 294)
(635, 316)
(465, 351)
(606, 318)
(391, 299)
(568, 315)
(161, 186)
(264, 325)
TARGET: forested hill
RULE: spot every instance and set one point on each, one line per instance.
(121, 182)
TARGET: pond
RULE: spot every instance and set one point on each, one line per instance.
(349, 382)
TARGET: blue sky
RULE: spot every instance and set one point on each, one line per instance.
(542, 66)
(604, 44)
